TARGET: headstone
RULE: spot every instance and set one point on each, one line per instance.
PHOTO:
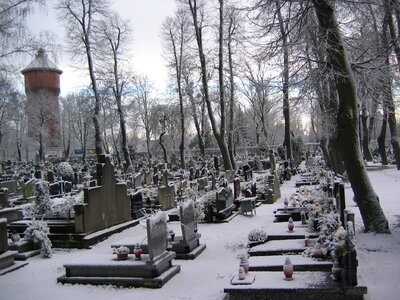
(155, 179)
(3, 235)
(272, 160)
(50, 176)
(224, 198)
(147, 178)
(157, 235)
(104, 205)
(203, 183)
(188, 222)
(137, 180)
(191, 173)
(236, 188)
(28, 189)
(4, 198)
(216, 164)
(166, 197)
(55, 188)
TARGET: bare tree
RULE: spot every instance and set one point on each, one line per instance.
(81, 18)
(142, 89)
(81, 106)
(115, 34)
(176, 36)
(197, 12)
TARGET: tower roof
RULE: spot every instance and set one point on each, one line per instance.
(41, 63)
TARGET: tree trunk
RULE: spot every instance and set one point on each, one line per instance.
(200, 140)
(323, 143)
(161, 142)
(348, 121)
(219, 134)
(231, 102)
(285, 89)
(382, 139)
(389, 31)
(365, 134)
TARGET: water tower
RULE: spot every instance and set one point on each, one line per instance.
(42, 88)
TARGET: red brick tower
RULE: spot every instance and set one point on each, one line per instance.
(42, 88)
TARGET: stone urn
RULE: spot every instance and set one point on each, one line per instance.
(288, 269)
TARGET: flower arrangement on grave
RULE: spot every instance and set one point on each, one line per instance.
(257, 236)
(122, 252)
(332, 239)
(38, 231)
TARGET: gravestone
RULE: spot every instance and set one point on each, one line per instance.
(137, 180)
(155, 179)
(136, 204)
(147, 178)
(224, 203)
(105, 205)
(11, 185)
(272, 160)
(3, 235)
(236, 188)
(29, 190)
(4, 198)
(166, 197)
(50, 176)
(55, 188)
(203, 184)
(157, 235)
(188, 245)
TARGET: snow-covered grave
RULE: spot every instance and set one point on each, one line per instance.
(153, 270)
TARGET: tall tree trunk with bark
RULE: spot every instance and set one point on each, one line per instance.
(285, 78)
(348, 119)
(219, 134)
(365, 133)
(388, 31)
(382, 139)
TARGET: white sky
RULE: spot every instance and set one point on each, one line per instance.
(145, 18)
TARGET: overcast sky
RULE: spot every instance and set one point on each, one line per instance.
(145, 18)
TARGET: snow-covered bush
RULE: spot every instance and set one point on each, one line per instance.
(42, 202)
(38, 232)
(65, 171)
(64, 205)
(257, 235)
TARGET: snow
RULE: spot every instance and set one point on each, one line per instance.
(211, 272)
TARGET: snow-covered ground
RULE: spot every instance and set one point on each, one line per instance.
(206, 276)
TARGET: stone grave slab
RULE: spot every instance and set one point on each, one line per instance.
(300, 263)
(153, 270)
(275, 247)
(305, 285)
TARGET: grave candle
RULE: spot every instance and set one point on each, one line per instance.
(290, 224)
